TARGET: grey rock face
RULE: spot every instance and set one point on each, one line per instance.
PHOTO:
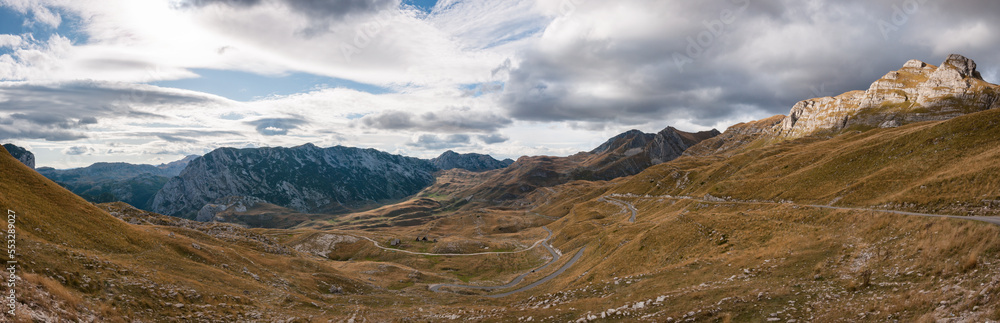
(633, 151)
(471, 162)
(234, 203)
(21, 154)
(112, 182)
(917, 92)
(305, 178)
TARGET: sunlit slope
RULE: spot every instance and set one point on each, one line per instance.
(737, 249)
(945, 166)
(79, 262)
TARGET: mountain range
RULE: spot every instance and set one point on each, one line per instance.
(875, 205)
(110, 182)
(471, 162)
(304, 178)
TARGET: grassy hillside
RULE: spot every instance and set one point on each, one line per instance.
(944, 167)
(714, 239)
(81, 263)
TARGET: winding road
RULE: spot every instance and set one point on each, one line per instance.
(517, 280)
(459, 254)
(547, 278)
(623, 204)
(556, 254)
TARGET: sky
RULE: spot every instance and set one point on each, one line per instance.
(150, 81)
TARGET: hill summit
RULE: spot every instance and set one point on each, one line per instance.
(472, 162)
(917, 92)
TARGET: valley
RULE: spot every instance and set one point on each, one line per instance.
(875, 205)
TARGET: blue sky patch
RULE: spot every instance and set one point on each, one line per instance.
(15, 23)
(425, 5)
(245, 86)
(478, 89)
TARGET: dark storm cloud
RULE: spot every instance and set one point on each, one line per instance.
(60, 111)
(432, 142)
(321, 10)
(451, 120)
(493, 138)
(277, 126)
(711, 61)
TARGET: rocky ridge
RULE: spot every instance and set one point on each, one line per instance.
(21, 154)
(306, 178)
(112, 182)
(633, 151)
(917, 92)
(471, 162)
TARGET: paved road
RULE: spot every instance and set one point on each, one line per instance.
(623, 204)
(461, 254)
(517, 280)
(547, 278)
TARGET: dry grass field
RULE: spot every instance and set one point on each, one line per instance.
(715, 239)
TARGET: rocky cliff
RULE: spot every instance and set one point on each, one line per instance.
(304, 178)
(738, 136)
(21, 154)
(623, 155)
(471, 162)
(114, 182)
(917, 92)
(633, 151)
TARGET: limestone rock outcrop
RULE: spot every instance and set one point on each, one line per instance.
(917, 92)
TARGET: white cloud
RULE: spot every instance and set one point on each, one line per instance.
(12, 41)
(40, 13)
(560, 75)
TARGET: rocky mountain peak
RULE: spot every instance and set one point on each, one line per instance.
(305, 178)
(913, 63)
(470, 162)
(917, 92)
(964, 66)
(632, 139)
(307, 146)
(632, 151)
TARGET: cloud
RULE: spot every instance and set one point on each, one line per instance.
(450, 120)
(39, 12)
(553, 78)
(436, 142)
(315, 9)
(78, 150)
(63, 111)
(10, 41)
(277, 126)
(493, 138)
(628, 62)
